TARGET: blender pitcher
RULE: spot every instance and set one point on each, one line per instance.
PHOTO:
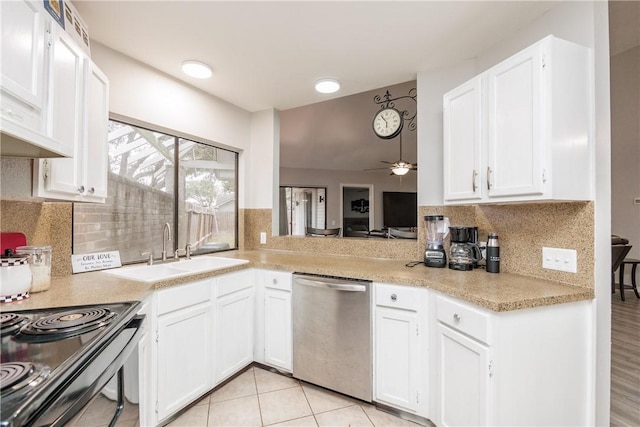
(437, 229)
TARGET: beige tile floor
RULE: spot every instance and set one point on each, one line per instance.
(261, 398)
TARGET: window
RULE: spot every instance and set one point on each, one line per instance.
(155, 179)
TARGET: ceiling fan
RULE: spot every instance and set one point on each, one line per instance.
(399, 167)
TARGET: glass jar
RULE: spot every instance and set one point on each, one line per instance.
(40, 263)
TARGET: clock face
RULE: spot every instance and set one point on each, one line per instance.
(387, 123)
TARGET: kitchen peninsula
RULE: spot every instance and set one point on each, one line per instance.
(490, 324)
(502, 292)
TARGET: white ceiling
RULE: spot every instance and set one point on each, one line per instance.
(268, 54)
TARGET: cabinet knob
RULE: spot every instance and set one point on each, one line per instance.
(92, 190)
(456, 317)
(394, 297)
(81, 189)
(274, 281)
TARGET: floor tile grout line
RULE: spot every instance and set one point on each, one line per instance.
(308, 403)
(255, 384)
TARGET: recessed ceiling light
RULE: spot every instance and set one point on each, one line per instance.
(327, 85)
(197, 69)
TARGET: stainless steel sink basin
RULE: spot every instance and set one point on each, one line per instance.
(157, 272)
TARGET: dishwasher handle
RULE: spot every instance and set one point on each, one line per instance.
(348, 287)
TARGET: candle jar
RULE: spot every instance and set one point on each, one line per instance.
(40, 263)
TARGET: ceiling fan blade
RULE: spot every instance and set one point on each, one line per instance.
(374, 169)
(389, 163)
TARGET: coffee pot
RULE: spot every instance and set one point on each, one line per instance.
(464, 252)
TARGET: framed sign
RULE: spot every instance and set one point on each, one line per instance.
(55, 9)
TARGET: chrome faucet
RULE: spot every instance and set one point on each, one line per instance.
(166, 237)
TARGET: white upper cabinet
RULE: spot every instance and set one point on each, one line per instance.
(96, 154)
(23, 31)
(515, 143)
(463, 150)
(527, 123)
(26, 97)
(79, 115)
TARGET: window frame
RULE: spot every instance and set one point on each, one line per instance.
(177, 136)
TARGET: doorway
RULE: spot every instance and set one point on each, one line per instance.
(356, 209)
(302, 207)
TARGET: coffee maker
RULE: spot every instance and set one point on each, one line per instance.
(464, 251)
(437, 229)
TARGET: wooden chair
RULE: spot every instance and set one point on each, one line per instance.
(324, 232)
(633, 286)
(618, 252)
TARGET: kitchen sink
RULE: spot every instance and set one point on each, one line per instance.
(157, 272)
(207, 263)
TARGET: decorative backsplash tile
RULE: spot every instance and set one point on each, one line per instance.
(523, 230)
(43, 224)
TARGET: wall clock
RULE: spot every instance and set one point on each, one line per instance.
(387, 123)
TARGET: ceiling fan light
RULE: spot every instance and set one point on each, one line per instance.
(197, 69)
(401, 169)
(327, 85)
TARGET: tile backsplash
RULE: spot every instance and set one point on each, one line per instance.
(523, 229)
(43, 224)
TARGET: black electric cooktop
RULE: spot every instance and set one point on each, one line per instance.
(51, 357)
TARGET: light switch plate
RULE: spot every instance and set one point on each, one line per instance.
(263, 238)
(560, 259)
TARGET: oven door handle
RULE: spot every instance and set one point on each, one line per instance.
(136, 322)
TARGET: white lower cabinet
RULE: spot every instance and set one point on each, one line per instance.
(400, 343)
(463, 379)
(145, 397)
(521, 367)
(277, 320)
(234, 307)
(184, 351)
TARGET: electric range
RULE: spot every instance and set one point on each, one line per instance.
(55, 360)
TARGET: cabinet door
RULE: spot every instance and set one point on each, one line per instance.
(184, 357)
(397, 371)
(463, 379)
(234, 332)
(463, 142)
(277, 328)
(96, 158)
(65, 115)
(23, 28)
(514, 134)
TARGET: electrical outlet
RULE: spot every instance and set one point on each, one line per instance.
(263, 238)
(560, 259)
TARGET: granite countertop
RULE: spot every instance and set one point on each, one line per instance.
(497, 292)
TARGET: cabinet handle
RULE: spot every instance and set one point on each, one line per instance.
(81, 189)
(92, 190)
(456, 317)
(473, 180)
(394, 297)
(488, 177)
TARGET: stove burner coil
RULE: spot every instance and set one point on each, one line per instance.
(16, 376)
(66, 324)
(10, 322)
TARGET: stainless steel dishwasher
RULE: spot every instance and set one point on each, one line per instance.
(332, 333)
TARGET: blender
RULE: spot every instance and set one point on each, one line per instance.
(437, 229)
(464, 250)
